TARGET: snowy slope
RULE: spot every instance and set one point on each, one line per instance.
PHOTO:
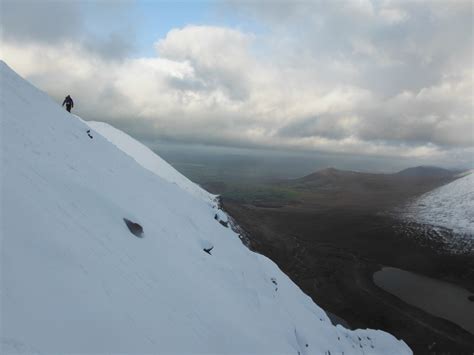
(450, 206)
(149, 160)
(75, 280)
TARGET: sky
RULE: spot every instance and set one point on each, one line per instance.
(365, 78)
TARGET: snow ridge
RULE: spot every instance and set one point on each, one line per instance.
(449, 206)
(148, 159)
(75, 280)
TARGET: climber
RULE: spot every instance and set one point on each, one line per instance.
(69, 103)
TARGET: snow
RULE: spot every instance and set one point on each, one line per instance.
(449, 206)
(75, 280)
(149, 160)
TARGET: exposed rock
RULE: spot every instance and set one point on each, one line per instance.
(208, 250)
(134, 228)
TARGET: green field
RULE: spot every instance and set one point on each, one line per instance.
(255, 194)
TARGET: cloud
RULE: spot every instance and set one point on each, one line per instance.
(26, 22)
(216, 54)
(395, 45)
(40, 21)
(370, 78)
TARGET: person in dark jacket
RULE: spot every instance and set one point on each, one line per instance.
(69, 103)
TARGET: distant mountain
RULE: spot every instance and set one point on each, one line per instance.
(368, 190)
(331, 174)
(426, 171)
(418, 171)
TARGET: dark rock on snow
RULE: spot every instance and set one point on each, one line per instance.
(134, 228)
(208, 250)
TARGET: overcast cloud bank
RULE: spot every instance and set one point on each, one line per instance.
(390, 78)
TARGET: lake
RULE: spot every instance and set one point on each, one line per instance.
(439, 298)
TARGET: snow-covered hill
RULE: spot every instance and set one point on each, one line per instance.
(75, 280)
(149, 160)
(449, 206)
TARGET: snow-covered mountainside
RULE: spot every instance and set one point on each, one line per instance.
(449, 206)
(149, 160)
(74, 279)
